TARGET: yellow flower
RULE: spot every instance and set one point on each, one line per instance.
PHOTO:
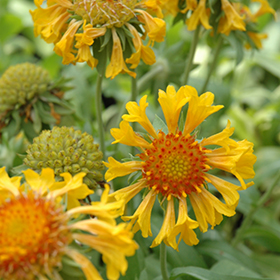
(74, 26)
(231, 20)
(175, 165)
(256, 38)
(172, 7)
(35, 231)
(199, 16)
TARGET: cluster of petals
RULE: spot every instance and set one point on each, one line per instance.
(73, 35)
(36, 232)
(235, 16)
(233, 157)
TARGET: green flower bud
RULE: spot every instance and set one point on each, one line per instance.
(65, 149)
(20, 83)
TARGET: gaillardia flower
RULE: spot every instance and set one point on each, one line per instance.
(176, 166)
(36, 232)
(114, 28)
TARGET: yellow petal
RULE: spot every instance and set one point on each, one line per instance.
(154, 27)
(227, 189)
(185, 225)
(144, 52)
(87, 267)
(171, 103)
(137, 113)
(114, 243)
(200, 107)
(208, 209)
(256, 38)
(200, 15)
(129, 192)
(167, 227)
(221, 139)
(70, 184)
(117, 64)
(117, 169)
(43, 182)
(264, 9)
(65, 46)
(231, 21)
(142, 215)
(239, 161)
(125, 135)
(49, 22)
(7, 185)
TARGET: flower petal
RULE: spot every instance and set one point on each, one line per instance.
(142, 215)
(200, 107)
(137, 113)
(171, 103)
(87, 267)
(167, 227)
(118, 169)
(117, 64)
(125, 135)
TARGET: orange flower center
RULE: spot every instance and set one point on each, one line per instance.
(107, 13)
(175, 165)
(33, 234)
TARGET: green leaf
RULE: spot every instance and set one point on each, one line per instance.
(37, 123)
(160, 125)
(263, 236)
(204, 274)
(231, 268)
(10, 25)
(220, 250)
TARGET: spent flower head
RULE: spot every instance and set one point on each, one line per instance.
(90, 31)
(176, 166)
(65, 149)
(36, 233)
(222, 17)
(29, 100)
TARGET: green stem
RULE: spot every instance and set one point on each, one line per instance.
(133, 98)
(253, 210)
(163, 261)
(189, 63)
(98, 104)
(213, 63)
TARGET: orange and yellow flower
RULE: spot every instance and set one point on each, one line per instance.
(36, 232)
(174, 165)
(73, 26)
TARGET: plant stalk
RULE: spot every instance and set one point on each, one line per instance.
(189, 62)
(98, 104)
(163, 266)
(213, 63)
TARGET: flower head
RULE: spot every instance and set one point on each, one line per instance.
(174, 165)
(107, 26)
(27, 93)
(35, 231)
(66, 150)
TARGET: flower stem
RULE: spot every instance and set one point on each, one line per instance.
(189, 63)
(163, 261)
(253, 210)
(98, 104)
(213, 63)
